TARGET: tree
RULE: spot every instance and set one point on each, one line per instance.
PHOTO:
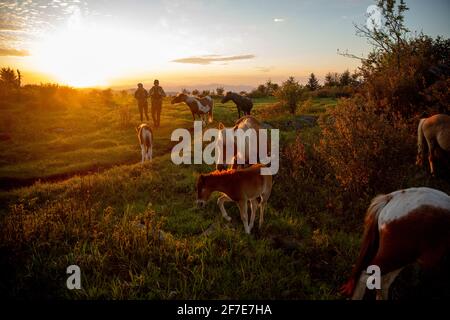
(389, 36)
(345, 78)
(19, 78)
(262, 89)
(185, 91)
(195, 92)
(270, 88)
(8, 78)
(331, 79)
(220, 91)
(206, 93)
(313, 83)
(290, 93)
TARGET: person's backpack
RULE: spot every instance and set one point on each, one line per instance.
(156, 93)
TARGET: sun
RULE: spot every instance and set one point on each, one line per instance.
(77, 57)
(85, 54)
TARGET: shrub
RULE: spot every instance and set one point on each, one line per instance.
(125, 116)
(364, 149)
(290, 93)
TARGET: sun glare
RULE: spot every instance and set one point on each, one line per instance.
(86, 55)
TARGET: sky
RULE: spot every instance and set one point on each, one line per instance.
(190, 42)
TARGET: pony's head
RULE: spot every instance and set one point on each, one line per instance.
(203, 192)
(180, 97)
(227, 97)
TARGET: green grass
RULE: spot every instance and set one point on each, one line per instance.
(108, 223)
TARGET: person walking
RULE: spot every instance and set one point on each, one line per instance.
(156, 94)
(141, 96)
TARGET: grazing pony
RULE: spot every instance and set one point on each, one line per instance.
(244, 123)
(145, 136)
(436, 131)
(199, 106)
(240, 186)
(403, 227)
(242, 103)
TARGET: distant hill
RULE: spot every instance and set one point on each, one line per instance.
(170, 90)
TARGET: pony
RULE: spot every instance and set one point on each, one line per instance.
(402, 227)
(242, 103)
(245, 123)
(435, 131)
(198, 106)
(145, 136)
(244, 186)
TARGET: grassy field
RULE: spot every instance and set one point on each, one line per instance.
(134, 230)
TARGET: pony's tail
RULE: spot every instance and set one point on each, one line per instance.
(210, 112)
(370, 242)
(421, 148)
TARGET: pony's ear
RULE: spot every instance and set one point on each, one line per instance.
(137, 128)
(221, 126)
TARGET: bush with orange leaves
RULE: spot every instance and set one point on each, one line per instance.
(365, 149)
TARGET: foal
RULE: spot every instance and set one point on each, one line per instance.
(239, 186)
(145, 136)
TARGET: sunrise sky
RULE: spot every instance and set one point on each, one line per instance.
(189, 42)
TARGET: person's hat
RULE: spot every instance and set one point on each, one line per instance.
(140, 84)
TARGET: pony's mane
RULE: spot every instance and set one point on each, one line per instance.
(231, 171)
(216, 173)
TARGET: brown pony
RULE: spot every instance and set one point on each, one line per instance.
(436, 131)
(198, 106)
(403, 227)
(239, 186)
(244, 123)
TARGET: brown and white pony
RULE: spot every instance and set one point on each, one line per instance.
(145, 136)
(244, 123)
(244, 187)
(202, 107)
(403, 227)
(435, 131)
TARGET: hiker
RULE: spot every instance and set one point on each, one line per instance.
(141, 96)
(156, 94)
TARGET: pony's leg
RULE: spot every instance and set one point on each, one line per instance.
(244, 215)
(150, 153)
(386, 282)
(361, 286)
(431, 155)
(143, 153)
(220, 202)
(262, 206)
(253, 209)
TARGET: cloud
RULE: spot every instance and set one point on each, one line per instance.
(13, 52)
(208, 59)
(278, 20)
(264, 69)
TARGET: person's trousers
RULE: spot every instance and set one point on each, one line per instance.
(143, 109)
(156, 112)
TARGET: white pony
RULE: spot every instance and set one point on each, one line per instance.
(145, 136)
(402, 227)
